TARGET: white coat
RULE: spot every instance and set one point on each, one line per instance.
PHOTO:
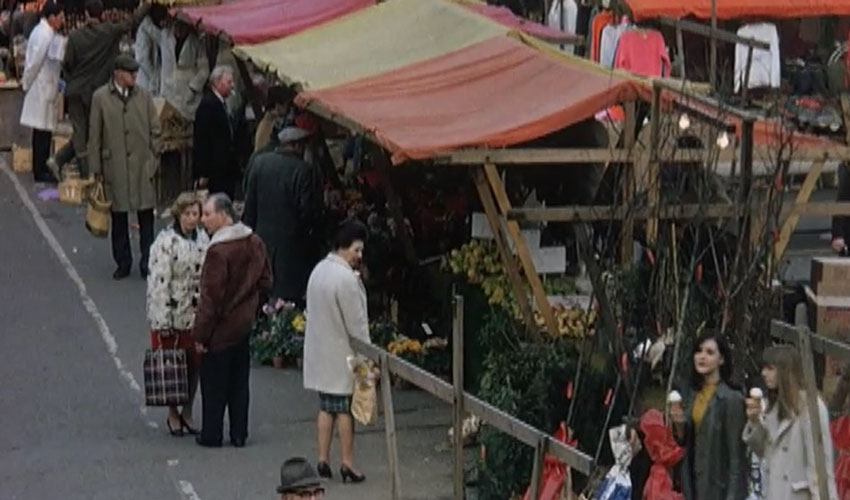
(183, 78)
(41, 78)
(336, 309)
(146, 49)
(173, 283)
(788, 453)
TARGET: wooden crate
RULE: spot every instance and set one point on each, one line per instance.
(21, 159)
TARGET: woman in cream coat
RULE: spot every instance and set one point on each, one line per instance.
(336, 310)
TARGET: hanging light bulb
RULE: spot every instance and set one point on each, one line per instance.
(684, 121)
(723, 140)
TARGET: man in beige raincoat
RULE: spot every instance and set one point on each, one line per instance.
(123, 135)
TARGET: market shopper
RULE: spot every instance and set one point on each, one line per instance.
(783, 435)
(709, 423)
(234, 279)
(41, 83)
(122, 151)
(278, 106)
(89, 59)
(214, 162)
(177, 256)
(283, 204)
(337, 310)
(185, 68)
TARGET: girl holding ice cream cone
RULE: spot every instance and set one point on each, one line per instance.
(782, 435)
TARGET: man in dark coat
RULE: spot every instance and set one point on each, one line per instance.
(282, 204)
(89, 59)
(214, 163)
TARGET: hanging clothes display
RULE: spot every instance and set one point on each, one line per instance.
(609, 40)
(597, 25)
(765, 65)
(570, 14)
(642, 51)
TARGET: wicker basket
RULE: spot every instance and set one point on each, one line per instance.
(97, 213)
(21, 159)
(73, 190)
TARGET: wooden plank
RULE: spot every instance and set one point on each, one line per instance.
(390, 428)
(819, 344)
(511, 269)
(525, 259)
(803, 196)
(680, 48)
(653, 169)
(457, 380)
(721, 35)
(814, 410)
(628, 186)
(591, 213)
(532, 156)
(537, 469)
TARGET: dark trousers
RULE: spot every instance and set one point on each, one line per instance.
(79, 107)
(121, 238)
(224, 383)
(41, 142)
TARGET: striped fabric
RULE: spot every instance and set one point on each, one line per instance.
(166, 377)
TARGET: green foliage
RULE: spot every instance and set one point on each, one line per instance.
(278, 331)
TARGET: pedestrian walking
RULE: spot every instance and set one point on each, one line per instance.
(783, 435)
(41, 84)
(336, 311)
(298, 481)
(177, 256)
(708, 424)
(234, 279)
(89, 59)
(214, 162)
(283, 206)
(122, 151)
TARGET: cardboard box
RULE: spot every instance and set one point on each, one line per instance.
(829, 315)
(21, 159)
(831, 276)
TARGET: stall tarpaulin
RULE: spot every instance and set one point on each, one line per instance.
(495, 93)
(385, 37)
(257, 21)
(736, 9)
(503, 15)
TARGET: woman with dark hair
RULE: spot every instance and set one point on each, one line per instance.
(336, 311)
(709, 425)
(783, 435)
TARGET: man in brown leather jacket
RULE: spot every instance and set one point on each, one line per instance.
(235, 277)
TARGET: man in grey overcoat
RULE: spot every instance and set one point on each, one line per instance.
(122, 151)
(283, 205)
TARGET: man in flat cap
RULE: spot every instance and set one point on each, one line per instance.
(298, 481)
(122, 152)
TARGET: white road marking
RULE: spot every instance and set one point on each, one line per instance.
(88, 303)
(188, 491)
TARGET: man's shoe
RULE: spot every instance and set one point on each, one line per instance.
(238, 443)
(121, 273)
(144, 272)
(207, 444)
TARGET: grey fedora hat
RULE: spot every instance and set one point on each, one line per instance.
(297, 473)
(292, 134)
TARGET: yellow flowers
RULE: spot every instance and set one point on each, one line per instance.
(299, 322)
(572, 322)
(404, 345)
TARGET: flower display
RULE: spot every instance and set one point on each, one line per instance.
(278, 331)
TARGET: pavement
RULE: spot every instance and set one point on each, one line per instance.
(72, 419)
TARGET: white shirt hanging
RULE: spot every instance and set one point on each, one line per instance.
(608, 41)
(765, 66)
(570, 17)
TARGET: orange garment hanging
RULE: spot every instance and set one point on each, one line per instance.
(601, 20)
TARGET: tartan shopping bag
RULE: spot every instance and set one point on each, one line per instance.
(166, 377)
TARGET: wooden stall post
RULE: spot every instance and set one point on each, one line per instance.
(680, 47)
(653, 184)
(457, 404)
(537, 468)
(627, 230)
(712, 65)
(390, 429)
(511, 268)
(515, 234)
(803, 196)
(805, 347)
(747, 139)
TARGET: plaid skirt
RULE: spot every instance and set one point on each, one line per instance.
(334, 403)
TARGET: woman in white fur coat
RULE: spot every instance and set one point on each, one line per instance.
(176, 259)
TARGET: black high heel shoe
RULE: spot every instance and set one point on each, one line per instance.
(178, 432)
(185, 427)
(349, 475)
(324, 470)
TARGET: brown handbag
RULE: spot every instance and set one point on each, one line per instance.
(98, 212)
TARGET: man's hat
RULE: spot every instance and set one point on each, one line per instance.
(126, 62)
(292, 134)
(297, 473)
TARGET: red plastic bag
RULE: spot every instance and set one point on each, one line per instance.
(664, 453)
(555, 475)
(840, 431)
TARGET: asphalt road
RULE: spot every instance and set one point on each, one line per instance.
(72, 420)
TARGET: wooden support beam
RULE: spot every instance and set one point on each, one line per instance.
(707, 31)
(653, 169)
(819, 344)
(803, 196)
(457, 406)
(531, 276)
(390, 428)
(496, 227)
(812, 396)
(533, 156)
(628, 187)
